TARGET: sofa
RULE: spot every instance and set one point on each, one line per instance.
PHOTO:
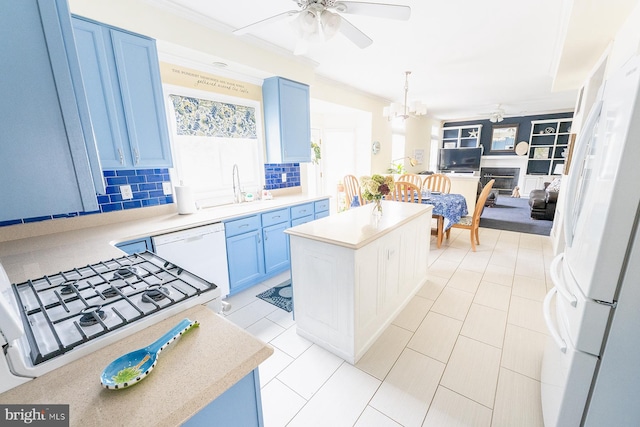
(543, 202)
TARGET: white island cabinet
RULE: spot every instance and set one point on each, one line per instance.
(353, 274)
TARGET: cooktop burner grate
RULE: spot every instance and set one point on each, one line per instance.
(71, 308)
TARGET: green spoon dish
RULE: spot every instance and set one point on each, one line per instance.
(133, 367)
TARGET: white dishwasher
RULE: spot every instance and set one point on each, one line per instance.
(200, 250)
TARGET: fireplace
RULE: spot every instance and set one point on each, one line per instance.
(506, 178)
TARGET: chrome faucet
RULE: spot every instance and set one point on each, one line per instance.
(237, 191)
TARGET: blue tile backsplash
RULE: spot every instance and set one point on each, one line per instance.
(146, 186)
(273, 175)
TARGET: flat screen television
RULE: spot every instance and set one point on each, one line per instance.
(459, 159)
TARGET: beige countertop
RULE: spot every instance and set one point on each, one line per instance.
(356, 227)
(29, 251)
(191, 372)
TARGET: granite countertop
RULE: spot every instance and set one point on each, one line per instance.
(29, 251)
(191, 372)
(356, 227)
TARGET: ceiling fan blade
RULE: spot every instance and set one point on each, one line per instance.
(251, 27)
(350, 31)
(379, 10)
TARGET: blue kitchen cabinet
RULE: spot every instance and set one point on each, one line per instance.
(136, 246)
(48, 158)
(258, 247)
(321, 208)
(287, 120)
(303, 210)
(276, 243)
(122, 78)
(245, 252)
(241, 405)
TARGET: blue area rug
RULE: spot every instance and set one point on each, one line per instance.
(513, 214)
(281, 296)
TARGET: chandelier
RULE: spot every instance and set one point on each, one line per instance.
(395, 111)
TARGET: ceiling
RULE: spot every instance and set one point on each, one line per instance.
(466, 57)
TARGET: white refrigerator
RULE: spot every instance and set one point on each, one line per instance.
(591, 365)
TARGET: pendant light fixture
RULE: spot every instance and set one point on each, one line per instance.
(396, 111)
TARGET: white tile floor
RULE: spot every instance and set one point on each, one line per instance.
(465, 352)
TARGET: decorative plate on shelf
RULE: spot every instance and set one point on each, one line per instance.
(522, 148)
(549, 130)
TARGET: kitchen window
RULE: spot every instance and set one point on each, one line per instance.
(209, 134)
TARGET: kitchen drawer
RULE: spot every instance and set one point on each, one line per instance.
(301, 220)
(242, 225)
(321, 214)
(301, 210)
(321, 205)
(275, 217)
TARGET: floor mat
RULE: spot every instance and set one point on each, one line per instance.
(281, 296)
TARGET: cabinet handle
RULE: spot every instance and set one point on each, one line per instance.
(275, 217)
(121, 156)
(137, 156)
(303, 211)
(243, 225)
(259, 239)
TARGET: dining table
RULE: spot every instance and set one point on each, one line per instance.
(447, 208)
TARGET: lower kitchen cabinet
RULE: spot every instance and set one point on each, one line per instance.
(245, 258)
(276, 248)
(257, 246)
(321, 208)
(241, 405)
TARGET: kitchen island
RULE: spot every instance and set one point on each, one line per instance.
(191, 373)
(352, 274)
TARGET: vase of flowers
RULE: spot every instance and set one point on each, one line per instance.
(374, 188)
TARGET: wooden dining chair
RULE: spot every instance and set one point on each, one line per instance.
(412, 178)
(441, 183)
(352, 189)
(472, 223)
(404, 191)
(437, 182)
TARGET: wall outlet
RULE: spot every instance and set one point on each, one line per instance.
(126, 192)
(166, 188)
(284, 177)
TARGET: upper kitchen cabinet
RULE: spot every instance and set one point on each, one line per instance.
(122, 79)
(287, 120)
(48, 158)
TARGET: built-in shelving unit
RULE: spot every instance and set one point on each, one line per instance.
(548, 146)
(461, 136)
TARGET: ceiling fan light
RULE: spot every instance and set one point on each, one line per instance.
(330, 23)
(306, 24)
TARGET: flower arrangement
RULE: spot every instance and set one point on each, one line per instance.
(374, 188)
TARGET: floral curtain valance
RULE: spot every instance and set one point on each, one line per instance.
(201, 117)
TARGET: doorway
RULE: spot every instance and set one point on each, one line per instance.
(344, 135)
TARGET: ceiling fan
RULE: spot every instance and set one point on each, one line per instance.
(319, 20)
(497, 115)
